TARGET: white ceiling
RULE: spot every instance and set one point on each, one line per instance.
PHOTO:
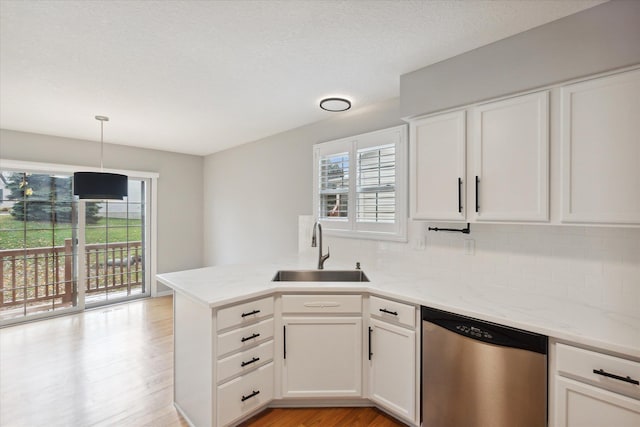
(200, 76)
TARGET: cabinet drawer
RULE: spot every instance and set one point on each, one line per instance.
(245, 394)
(321, 304)
(581, 364)
(244, 313)
(246, 337)
(245, 361)
(392, 311)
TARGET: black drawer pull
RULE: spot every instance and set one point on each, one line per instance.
(460, 195)
(626, 379)
(370, 353)
(255, 393)
(250, 338)
(250, 313)
(384, 310)
(284, 340)
(477, 197)
(254, 360)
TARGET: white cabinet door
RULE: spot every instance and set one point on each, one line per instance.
(438, 167)
(322, 357)
(510, 179)
(582, 405)
(392, 372)
(601, 150)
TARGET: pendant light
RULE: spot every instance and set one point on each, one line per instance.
(100, 185)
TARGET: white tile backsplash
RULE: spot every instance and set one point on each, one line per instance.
(597, 266)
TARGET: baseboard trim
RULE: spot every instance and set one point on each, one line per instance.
(183, 414)
(320, 403)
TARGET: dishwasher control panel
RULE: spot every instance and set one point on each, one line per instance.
(473, 331)
(483, 330)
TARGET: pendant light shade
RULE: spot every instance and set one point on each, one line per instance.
(100, 185)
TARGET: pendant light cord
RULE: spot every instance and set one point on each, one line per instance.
(101, 145)
(102, 119)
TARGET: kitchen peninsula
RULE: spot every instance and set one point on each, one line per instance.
(215, 307)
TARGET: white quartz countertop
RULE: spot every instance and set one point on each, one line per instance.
(561, 319)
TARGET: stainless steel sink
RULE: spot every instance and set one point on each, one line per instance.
(320, 276)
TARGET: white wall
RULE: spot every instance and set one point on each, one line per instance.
(254, 193)
(180, 207)
(596, 266)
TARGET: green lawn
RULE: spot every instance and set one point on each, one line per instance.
(46, 233)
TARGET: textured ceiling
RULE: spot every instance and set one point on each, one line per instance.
(201, 76)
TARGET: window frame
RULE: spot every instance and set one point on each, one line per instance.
(350, 226)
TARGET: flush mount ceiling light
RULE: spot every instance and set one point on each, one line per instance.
(335, 104)
(100, 185)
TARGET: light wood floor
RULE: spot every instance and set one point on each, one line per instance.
(105, 367)
(114, 367)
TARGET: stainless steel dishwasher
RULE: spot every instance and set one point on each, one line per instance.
(480, 374)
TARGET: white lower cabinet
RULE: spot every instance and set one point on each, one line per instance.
(322, 357)
(595, 389)
(583, 405)
(245, 361)
(244, 349)
(393, 356)
(322, 345)
(392, 374)
(245, 394)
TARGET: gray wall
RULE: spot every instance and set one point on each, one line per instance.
(599, 39)
(254, 193)
(180, 206)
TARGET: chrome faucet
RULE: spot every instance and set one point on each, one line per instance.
(321, 258)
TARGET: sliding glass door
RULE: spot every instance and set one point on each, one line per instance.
(114, 248)
(37, 255)
(60, 254)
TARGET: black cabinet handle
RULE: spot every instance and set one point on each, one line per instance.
(370, 330)
(460, 195)
(284, 340)
(250, 338)
(255, 393)
(626, 379)
(250, 313)
(254, 360)
(477, 201)
(384, 310)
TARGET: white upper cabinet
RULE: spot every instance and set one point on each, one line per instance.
(601, 150)
(438, 154)
(509, 180)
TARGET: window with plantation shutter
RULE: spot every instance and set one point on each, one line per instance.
(360, 185)
(376, 189)
(334, 186)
